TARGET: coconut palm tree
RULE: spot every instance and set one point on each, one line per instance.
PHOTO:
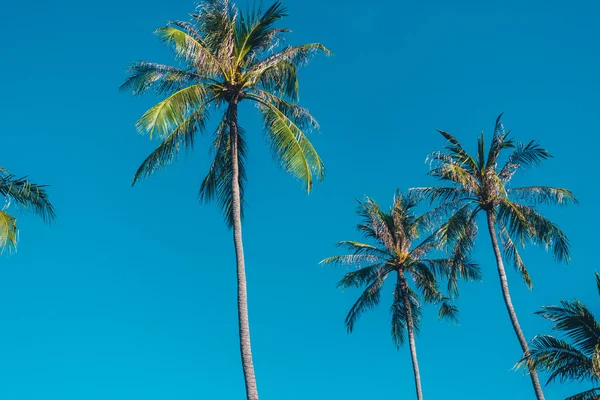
(25, 194)
(479, 185)
(393, 253)
(229, 58)
(575, 359)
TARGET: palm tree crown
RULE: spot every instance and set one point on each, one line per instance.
(478, 184)
(575, 358)
(228, 57)
(393, 234)
(25, 194)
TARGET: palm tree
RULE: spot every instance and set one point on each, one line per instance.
(393, 253)
(229, 58)
(478, 185)
(575, 361)
(25, 194)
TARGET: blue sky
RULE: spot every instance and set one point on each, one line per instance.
(131, 293)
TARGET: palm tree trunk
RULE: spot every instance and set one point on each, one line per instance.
(411, 335)
(537, 387)
(244, 327)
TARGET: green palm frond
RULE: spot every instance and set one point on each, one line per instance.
(547, 233)
(576, 322)
(255, 33)
(543, 195)
(191, 49)
(575, 359)
(217, 183)
(515, 221)
(524, 156)
(291, 147)
(374, 225)
(181, 137)
(294, 55)
(27, 195)
(172, 112)
(369, 298)
(281, 79)
(400, 315)
(8, 232)
(457, 154)
(350, 259)
(457, 174)
(364, 276)
(164, 79)
(597, 281)
(511, 253)
(363, 248)
(300, 116)
(560, 359)
(500, 142)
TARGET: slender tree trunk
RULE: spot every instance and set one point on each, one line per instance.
(244, 327)
(537, 387)
(411, 335)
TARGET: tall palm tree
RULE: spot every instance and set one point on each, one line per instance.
(578, 360)
(477, 185)
(229, 58)
(25, 194)
(393, 234)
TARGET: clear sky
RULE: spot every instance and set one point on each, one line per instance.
(131, 293)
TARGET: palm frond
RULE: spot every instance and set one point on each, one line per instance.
(164, 79)
(558, 358)
(217, 183)
(181, 137)
(400, 313)
(367, 300)
(500, 142)
(576, 322)
(290, 146)
(511, 253)
(350, 259)
(217, 21)
(190, 48)
(8, 232)
(363, 248)
(295, 55)
(363, 276)
(457, 154)
(524, 156)
(543, 195)
(546, 232)
(27, 194)
(255, 33)
(172, 112)
(374, 225)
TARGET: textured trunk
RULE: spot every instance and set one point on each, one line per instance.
(244, 327)
(509, 306)
(411, 335)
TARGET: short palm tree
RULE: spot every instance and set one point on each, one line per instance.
(578, 360)
(25, 194)
(229, 58)
(392, 253)
(477, 185)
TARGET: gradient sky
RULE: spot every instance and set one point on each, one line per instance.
(131, 293)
